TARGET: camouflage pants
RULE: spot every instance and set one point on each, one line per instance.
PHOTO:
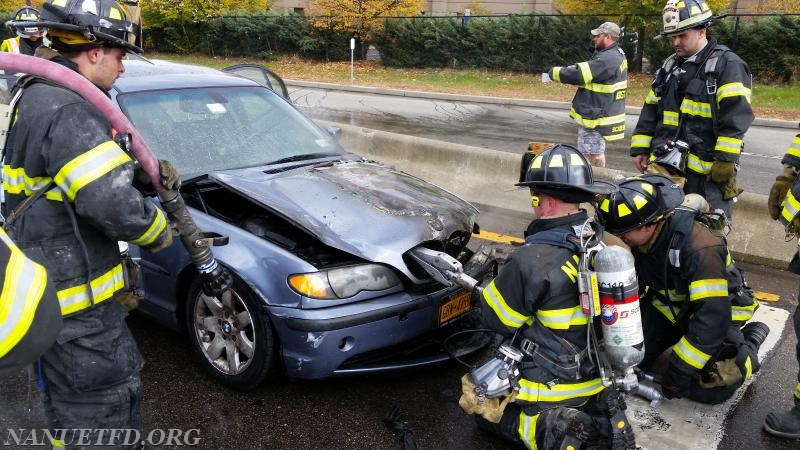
(91, 377)
(591, 142)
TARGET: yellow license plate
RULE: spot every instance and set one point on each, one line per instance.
(457, 305)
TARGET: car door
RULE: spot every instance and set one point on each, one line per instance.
(260, 75)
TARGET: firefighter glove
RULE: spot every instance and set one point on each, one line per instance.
(675, 384)
(168, 175)
(783, 182)
(723, 174)
(490, 409)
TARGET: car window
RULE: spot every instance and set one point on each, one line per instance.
(206, 129)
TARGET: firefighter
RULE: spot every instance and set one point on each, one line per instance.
(599, 104)
(536, 295)
(699, 103)
(694, 298)
(28, 38)
(32, 319)
(69, 200)
(784, 206)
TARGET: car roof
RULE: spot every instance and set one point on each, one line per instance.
(159, 74)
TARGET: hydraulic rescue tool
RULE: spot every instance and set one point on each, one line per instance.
(215, 278)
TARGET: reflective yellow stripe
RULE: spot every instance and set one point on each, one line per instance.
(599, 122)
(505, 313)
(155, 229)
(606, 88)
(693, 108)
(586, 72)
(664, 309)
(89, 166)
(16, 181)
(791, 207)
(794, 147)
(557, 73)
(743, 313)
(728, 145)
(695, 164)
(797, 390)
(733, 90)
(614, 137)
(652, 98)
(671, 118)
(748, 368)
(531, 391)
(708, 288)
(104, 287)
(527, 430)
(641, 141)
(23, 286)
(690, 354)
(562, 319)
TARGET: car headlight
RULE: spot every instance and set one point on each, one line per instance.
(344, 282)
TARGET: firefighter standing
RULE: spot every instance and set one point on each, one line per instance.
(784, 206)
(536, 294)
(599, 104)
(28, 38)
(80, 201)
(701, 97)
(694, 299)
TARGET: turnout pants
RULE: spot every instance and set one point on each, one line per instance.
(91, 379)
(701, 184)
(660, 335)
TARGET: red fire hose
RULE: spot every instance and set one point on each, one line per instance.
(14, 63)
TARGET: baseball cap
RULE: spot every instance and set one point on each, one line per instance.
(609, 28)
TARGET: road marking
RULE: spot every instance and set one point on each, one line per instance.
(766, 296)
(500, 238)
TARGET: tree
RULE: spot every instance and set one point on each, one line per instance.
(642, 16)
(359, 17)
(156, 12)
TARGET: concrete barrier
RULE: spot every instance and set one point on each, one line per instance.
(485, 176)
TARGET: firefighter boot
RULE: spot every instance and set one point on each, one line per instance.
(784, 424)
(563, 428)
(755, 333)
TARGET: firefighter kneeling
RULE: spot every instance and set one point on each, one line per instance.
(694, 301)
(557, 396)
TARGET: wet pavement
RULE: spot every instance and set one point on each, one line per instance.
(348, 413)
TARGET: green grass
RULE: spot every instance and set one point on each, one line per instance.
(781, 102)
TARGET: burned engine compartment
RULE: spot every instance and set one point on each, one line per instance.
(231, 207)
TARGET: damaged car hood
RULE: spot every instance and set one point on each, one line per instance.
(360, 207)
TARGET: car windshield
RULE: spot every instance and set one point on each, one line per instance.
(205, 129)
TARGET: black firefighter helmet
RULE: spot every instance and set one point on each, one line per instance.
(639, 201)
(77, 25)
(563, 172)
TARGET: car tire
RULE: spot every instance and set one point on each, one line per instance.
(231, 337)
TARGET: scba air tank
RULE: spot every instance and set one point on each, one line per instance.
(620, 313)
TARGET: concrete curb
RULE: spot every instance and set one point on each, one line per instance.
(630, 110)
(486, 176)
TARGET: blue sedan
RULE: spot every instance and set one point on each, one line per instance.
(319, 239)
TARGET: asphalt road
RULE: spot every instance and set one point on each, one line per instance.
(348, 413)
(510, 127)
